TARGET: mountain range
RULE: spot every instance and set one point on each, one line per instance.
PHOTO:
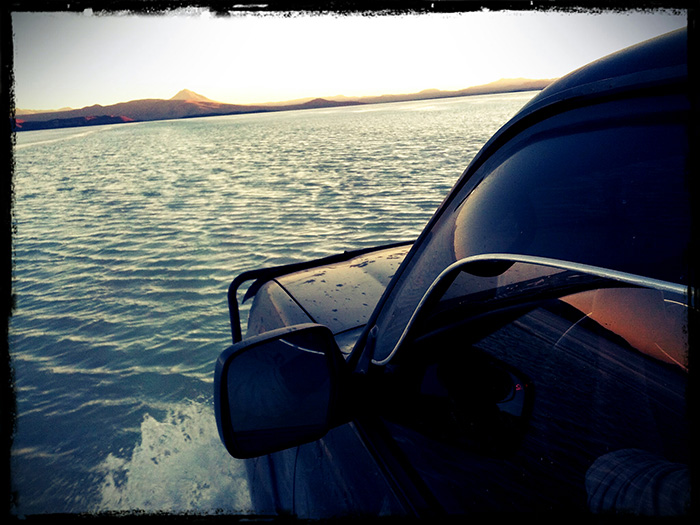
(188, 104)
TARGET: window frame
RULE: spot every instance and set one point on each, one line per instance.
(446, 277)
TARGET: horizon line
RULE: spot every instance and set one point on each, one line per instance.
(295, 100)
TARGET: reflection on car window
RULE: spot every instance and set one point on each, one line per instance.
(570, 384)
(605, 193)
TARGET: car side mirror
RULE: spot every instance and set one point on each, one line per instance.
(277, 390)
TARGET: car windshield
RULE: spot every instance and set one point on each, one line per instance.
(601, 185)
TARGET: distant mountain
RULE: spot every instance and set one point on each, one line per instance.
(505, 85)
(186, 94)
(34, 111)
(180, 106)
(188, 104)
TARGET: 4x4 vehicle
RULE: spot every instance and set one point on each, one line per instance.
(527, 352)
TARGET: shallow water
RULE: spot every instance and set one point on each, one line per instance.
(127, 237)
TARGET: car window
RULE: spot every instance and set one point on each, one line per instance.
(602, 185)
(547, 389)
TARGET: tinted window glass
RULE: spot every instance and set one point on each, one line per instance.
(603, 186)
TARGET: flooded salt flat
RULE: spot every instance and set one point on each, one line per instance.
(127, 237)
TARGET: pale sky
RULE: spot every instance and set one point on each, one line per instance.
(77, 60)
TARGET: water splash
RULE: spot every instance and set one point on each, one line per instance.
(180, 466)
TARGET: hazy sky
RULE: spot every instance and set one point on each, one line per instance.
(76, 60)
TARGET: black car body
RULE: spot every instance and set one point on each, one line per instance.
(528, 352)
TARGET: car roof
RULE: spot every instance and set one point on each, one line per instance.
(659, 61)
